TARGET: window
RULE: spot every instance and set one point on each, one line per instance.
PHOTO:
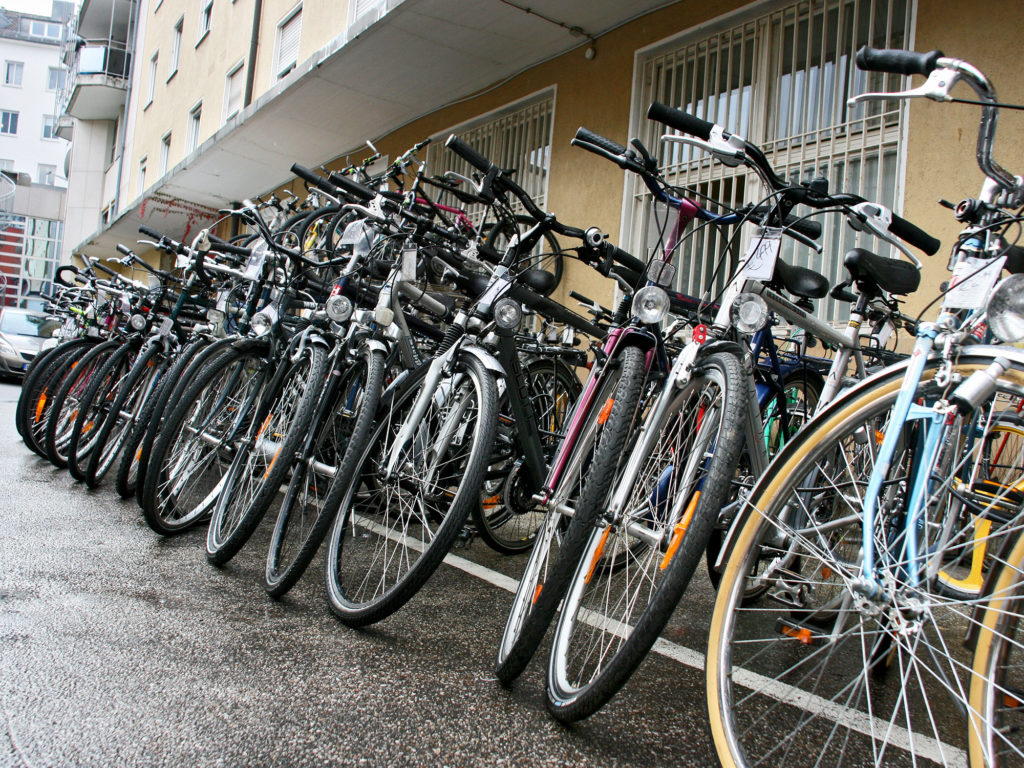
(192, 137)
(176, 46)
(42, 29)
(8, 122)
(13, 71)
(49, 127)
(142, 174)
(151, 87)
(6, 165)
(47, 174)
(517, 137)
(359, 8)
(233, 88)
(780, 79)
(205, 20)
(54, 79)
(165, 153)
(287, 48)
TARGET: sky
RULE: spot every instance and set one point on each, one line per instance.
(38, 7)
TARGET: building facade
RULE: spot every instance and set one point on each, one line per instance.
(223, 96)
(31, 152)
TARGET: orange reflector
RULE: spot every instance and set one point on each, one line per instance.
(1010, 701)
(270, 466)
(491, 502)
(598, 553)
(40, 404)
(87, 427)
(606, 411)
(264, 426)
(679, 531)
(536, 593)
(800, 633)
(826, 572)
(879, 436)
(138, 453)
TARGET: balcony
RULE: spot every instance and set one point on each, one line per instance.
(96, 50)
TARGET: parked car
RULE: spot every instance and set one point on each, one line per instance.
(22, 334)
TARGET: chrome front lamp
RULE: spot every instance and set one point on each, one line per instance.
(650, 304)
(1006, 309)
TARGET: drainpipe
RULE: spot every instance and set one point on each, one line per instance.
(254, 42)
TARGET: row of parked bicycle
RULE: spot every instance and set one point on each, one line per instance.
(382, 371)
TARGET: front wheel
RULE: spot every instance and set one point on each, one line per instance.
(639, 560)
(407, 501)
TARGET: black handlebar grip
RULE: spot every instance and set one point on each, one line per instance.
(631, 276)
(580, 297)
(589, 137)
(223, 246)
(151, 232)
(353, 188)
(914, 235)
(806, 227)
(627, 260)
(681, 121)
(103, 268)
(123, 249)
(467, 153)
(312, 178)
(897, 61)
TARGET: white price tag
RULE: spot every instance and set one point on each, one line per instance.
(409, 265)
(182, 260)
(972, 280)
(254, 265)
(759, 260)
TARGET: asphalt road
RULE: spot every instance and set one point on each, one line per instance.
(121, 648)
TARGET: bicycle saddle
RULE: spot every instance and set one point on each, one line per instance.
(872, 272)
(539, 280)
(800, 281)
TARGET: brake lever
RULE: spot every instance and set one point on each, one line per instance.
(875, 219)
(730, 152)
(937, 87)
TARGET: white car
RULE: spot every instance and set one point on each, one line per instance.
(22, 334)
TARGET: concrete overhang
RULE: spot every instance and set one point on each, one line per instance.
(96, 97)
(380, 74)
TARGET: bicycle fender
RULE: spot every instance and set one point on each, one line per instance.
(376, 345)
(489, 361)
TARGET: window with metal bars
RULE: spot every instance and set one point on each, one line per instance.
(517, 137)
(780, 79)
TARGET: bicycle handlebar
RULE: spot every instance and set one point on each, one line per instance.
(896, 61)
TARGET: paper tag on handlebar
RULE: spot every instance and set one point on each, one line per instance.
(254, 264)
(972, 280)
(763, 252)
(409, 265)
(181, 260)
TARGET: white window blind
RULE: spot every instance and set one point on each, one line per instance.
(362, 7)
(518, 138)
(780, 80)
(288, 33)
(195, 117)
(233, 91)
(165, 153)
(176, 45)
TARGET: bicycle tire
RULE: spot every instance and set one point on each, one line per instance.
(354, 531)
(184, 475)
(557, 550)
(281, 421)
(288, 560)
(37, 396)
(636, 581)
(133, 394)
(40, 362)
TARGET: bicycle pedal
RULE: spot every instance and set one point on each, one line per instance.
(465, 538)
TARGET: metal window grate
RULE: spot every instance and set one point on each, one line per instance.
(780, 79)
(518, 138)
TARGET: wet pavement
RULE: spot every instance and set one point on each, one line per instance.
(121, 648)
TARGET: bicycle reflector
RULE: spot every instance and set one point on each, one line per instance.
(1006, 309)
(508, 314)
(650, 304)
(748, 313)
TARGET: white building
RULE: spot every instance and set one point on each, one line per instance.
(31, 74)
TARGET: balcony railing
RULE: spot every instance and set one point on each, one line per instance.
(95, 61)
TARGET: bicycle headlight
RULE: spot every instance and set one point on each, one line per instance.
(650, 304)
(508, 314)
(748, 313)
(1006, 309)
(339, 308)
(137, 322)
(263, 321)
